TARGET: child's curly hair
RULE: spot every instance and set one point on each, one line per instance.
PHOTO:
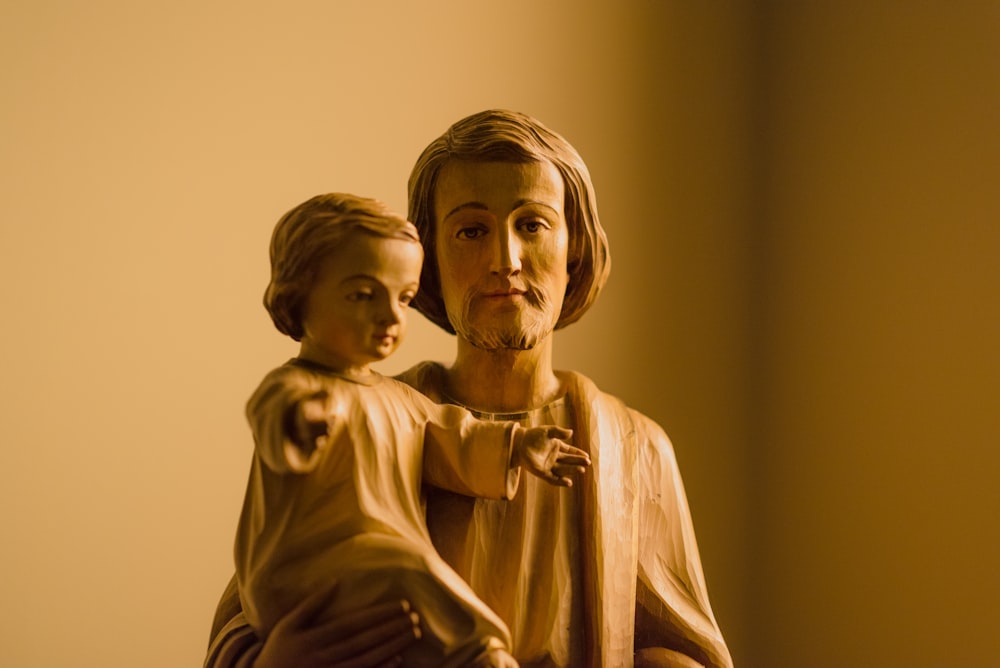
(306, 235)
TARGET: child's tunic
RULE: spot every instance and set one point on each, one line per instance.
(351, 521)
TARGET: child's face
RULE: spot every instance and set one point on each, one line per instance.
(355, 312)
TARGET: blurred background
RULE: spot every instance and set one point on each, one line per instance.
(804, 218)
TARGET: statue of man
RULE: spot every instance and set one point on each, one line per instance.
(608, 574)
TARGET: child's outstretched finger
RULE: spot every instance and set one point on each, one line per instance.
(314, 409)
(567, 473)
(572, 456)
(561, 433)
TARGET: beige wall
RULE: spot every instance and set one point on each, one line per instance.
(803, 223)
(877, 331)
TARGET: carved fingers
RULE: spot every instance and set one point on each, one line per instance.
(366, 638)
(307, 425)
(545, 452)
(569, 462)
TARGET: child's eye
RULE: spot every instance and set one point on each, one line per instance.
(406, 299)
(359, 296)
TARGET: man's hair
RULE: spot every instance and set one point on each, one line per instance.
(506, 136)
(310, 232)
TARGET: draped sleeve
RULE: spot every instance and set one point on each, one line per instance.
(639, 527)
(267, 412)
(232, 643)
(673, 610)
(468, 456)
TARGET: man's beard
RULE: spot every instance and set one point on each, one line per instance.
(513, 331)
(504, 336)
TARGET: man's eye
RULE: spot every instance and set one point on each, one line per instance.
(470, 233)
(532, 226)
(359, 296)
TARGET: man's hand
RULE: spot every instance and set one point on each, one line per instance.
(366, 638)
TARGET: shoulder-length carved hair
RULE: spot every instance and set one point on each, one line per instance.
(507, 136)
(310, 232)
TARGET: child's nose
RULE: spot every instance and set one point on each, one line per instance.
(391, 313)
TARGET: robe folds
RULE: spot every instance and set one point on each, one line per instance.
(643, 563)
(642, 580)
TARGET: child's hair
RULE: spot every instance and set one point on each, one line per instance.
(306, 235)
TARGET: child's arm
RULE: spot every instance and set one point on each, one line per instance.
(484, 458)
(545, 451)
(307, 431)
(289, 415)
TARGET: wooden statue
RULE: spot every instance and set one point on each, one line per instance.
(341, 452)
(605, 574)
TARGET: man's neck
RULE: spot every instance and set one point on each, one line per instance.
(503, 381)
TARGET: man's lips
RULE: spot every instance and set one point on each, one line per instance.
(501, 294)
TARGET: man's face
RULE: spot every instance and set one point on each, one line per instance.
(502, 244)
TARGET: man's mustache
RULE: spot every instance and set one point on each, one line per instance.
(497, 288)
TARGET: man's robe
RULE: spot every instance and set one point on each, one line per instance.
(641, 575)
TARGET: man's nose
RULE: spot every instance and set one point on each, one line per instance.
(506, 253)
